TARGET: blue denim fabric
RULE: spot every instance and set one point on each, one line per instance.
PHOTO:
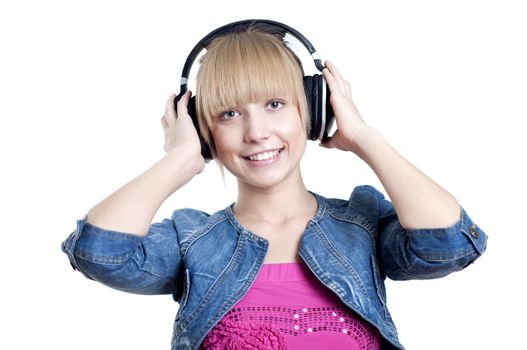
(208, 262)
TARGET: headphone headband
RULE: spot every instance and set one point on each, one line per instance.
(268, 26)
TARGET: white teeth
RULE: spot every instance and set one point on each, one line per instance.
(264, 155)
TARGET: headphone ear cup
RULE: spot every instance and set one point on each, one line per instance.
(309, 87)
(206, 153)
(329, 115)
(320, 110)
(318, 105)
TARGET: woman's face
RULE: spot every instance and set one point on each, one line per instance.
(261, 143)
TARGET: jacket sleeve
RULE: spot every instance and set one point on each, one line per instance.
(127, 262)
(425, 253)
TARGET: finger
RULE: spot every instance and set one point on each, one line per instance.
(335, 86)
(336, 91)
(327, 143)
(182, 105)
(330, 79)
(342, 83)
(332, 67)
(330, 142)
(170, 102)
(164, 122)
(338, 77)
(348, 88)
(170, 113)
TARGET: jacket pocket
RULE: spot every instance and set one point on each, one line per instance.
(184, 294)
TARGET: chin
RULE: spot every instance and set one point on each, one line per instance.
(271, 180)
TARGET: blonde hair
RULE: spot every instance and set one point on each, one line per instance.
(245, 67)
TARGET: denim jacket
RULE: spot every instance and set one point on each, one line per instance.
(208, 262)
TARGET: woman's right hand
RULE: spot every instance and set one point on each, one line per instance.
(180, 133)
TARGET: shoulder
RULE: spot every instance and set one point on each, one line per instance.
(365, 201)
(192, 220)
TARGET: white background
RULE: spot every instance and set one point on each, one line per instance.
(83, 85)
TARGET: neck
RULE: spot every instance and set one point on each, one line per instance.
(276, 204)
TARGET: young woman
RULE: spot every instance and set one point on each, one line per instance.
(282, 267)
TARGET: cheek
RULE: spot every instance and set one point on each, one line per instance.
(224, 141)
(295, 130)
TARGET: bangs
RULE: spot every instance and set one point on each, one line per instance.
(243, 68)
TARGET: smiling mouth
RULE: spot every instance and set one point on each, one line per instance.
(265, 155)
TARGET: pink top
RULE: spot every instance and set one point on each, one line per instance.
(288, 308)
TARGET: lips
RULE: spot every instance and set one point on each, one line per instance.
(266, 155)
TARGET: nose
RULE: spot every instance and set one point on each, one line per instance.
(257, 126)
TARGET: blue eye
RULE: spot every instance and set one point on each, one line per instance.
(275, 104)
(228, 115)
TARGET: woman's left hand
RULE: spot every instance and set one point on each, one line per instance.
(349, 122)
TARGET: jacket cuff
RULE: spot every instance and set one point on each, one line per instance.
(68, 246)
(89, 243)
(461, 240)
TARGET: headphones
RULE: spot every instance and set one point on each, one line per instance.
(317, 92)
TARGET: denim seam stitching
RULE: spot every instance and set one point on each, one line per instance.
(353, 220)
(99, 259)
(334, 251)
(228, 303)
(198, 234)
(447, 257)
(184, 322)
